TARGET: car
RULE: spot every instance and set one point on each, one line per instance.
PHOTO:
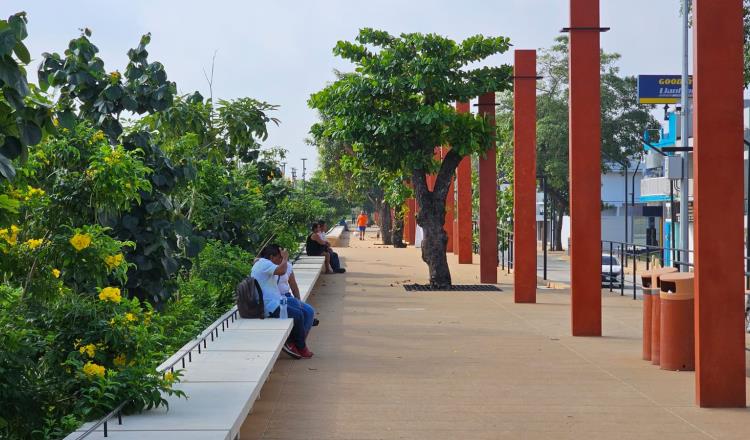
(611, 271)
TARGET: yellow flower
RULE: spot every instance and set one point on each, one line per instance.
(110, 294)
(10, 235)
(34, 191)
(33, 244)
(91, 369)
(80, 241)
(98, 136)
(56, 273)
(119, 360)
(169, 377)
(114, 77)
(113, 261)
(130, 317)
(89, 350)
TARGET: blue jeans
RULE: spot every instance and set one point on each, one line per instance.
(335, 264)
(307, 310)
(294, 311)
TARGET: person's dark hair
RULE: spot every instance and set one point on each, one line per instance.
(321, 222)
(270, 251)
(314, 226)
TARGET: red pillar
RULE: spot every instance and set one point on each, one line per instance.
(411, 230)
(463, 183)
(524, 176)
(488, 199)
(449, 202)
(585, 178)
(718, 176)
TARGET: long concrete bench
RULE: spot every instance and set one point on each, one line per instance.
(335, 235)
(222, 377)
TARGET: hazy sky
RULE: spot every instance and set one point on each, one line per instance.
(280, 51)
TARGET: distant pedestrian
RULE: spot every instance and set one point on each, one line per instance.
(362, 221)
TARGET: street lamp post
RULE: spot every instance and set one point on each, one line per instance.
(304, 170)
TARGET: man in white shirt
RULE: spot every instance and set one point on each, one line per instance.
(288, 286)
(273, 262)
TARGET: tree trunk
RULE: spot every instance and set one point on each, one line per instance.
(397, 234)
(431, 217)
(385, 223)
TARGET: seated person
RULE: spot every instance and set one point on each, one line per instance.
(288, 286)
(335, 264)
(315, 247)
(273, 262)
(342, 222)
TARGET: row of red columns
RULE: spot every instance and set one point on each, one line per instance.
(718, 198)
(718, 192)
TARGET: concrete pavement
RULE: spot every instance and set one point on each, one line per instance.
(471, 365)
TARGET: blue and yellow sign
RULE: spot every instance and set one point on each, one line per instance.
(661, 89)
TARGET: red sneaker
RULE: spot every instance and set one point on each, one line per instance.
(292, 350)
(305, 353)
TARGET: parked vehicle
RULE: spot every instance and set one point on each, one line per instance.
(611, 271)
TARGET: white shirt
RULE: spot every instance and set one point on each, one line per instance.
(262, 271)
(322, 236)
(283, 282)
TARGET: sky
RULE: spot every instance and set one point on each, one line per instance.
(279, 51)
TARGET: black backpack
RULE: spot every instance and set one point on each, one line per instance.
(250, 299)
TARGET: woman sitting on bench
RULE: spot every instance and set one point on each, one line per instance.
(316, 247)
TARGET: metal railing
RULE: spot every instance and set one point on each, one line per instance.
(187, 352)
(632, 252)
(211, 332)
(505, 248)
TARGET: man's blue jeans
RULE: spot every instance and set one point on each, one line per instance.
(307, 310)
(294, 311)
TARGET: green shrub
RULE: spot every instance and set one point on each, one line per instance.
(223, 266)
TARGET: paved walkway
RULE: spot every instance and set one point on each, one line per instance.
(395, 365)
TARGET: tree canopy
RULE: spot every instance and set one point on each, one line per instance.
(397, 106)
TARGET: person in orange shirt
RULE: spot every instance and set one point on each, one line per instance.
(362, 224)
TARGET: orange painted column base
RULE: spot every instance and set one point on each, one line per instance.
(677, 351)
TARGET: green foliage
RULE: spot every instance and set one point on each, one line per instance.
(104, 222)
(397, 105)
(222, 266)
(25, 116)
(74, 359)
(100, 96)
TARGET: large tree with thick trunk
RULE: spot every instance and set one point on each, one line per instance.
(397, 106)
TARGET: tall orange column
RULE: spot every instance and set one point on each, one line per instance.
(488, 199)
(718, 176)
(585, 179)
(524, 176)
(449, 202)
(463, 188)
(411, 228)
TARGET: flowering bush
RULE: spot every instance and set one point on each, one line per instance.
(94, 352)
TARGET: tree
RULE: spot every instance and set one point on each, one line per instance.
(624, 120)
(396, 107)
(25, 115)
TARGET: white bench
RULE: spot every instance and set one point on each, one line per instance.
(222, 377)
(335, 235)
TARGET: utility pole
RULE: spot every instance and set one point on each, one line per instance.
(303, 173)
(294, 177)
(685, 183)
(283, 169)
